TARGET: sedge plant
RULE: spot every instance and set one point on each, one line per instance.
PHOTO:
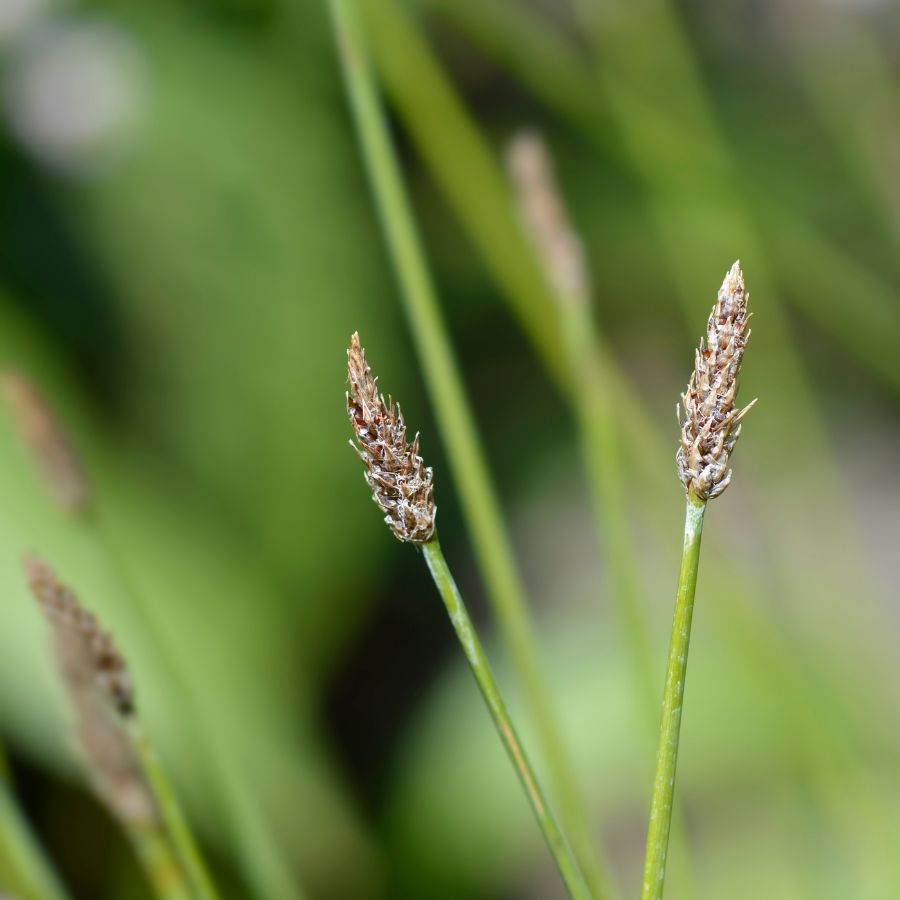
(123, 769)
(478, 497)
(402, 487)
(511, 35)
(710, 426)
(65, 476)
(598, 412)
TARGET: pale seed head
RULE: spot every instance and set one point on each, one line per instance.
(545, 218)
(100, 693)
(710, 421)
(401, 484)
(47, 442)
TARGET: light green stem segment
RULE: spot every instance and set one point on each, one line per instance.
(592, 399)
(267, 871)
(593, 395)
(673, 698)
(468, 638)
(478, 499)
(24, 869)
(161, 865)
(173, 818)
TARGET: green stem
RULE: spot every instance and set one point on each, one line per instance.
(173, 818)
(598, 416)
(673, 698)
(468, 638)
(591, 400)
(456, 423)
(264, 865)
(24, 869)
(164, 872)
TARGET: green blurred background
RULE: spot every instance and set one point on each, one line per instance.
(187, 240)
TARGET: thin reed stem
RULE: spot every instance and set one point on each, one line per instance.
(468, 639)
(599, 435)
(599, 407)
(264, 865)
(673, 699)
(22, 860)
(478, 499)
(710, 424)
(160, 864)
(172, 816)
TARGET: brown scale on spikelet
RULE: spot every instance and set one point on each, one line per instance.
(710, 425)
(400, 481)
(100, 692)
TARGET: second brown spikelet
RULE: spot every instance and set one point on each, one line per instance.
(401, 483)
(100, 692)
(710, 424)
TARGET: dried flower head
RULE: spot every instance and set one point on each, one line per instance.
(400, 481)
(47, 442)
(100, 691)
(711, 422)
(544, 216)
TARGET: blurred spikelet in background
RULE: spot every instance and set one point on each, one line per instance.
(47, 442)
(545, 218)
(99, 687)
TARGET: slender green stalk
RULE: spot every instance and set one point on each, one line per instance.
(596, 422)
(599, 409)
(673, 699)
(468, 638)
(160, 864)
(173, 818)
(595, 417)
(265, 867)
(455, 420)
(710, 425)
(24, 869)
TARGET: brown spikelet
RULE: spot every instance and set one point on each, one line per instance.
(47, 442)
(401, 483)
(710, 425)
(100, 692)
(544, 217)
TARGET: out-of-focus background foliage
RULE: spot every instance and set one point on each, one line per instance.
(187, 239)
